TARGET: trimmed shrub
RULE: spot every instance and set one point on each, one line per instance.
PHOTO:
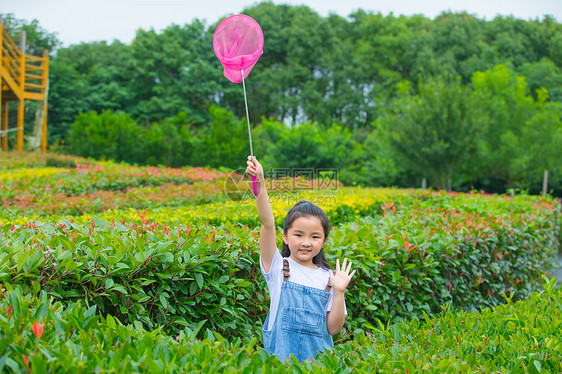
(411, 260)
(106, 135)
(40, 335)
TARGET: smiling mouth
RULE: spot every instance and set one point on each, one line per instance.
(305, 250)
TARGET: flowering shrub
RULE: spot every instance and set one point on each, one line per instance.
(26, 173)
(410, 259)
(101, 186)
(100, 253)
(20, 160)
(517, 337)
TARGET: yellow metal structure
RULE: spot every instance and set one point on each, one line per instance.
(22, 77)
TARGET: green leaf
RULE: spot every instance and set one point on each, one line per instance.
(91, 311)
(396, 332)
(110, 321)
(109, 283)
(244, 284)
(22, 259)
(163, 301)
(199, 279)
(36, 287)
(224, 278)
(120, 288)
(42, 311)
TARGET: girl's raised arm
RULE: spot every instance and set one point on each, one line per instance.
(268, 244)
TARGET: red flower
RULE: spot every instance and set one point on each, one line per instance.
(38, 329)
(409, 247)
(26, 360)
(9, 311)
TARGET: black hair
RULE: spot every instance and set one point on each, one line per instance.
(305, 208)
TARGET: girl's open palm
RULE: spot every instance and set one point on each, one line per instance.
(340, 279)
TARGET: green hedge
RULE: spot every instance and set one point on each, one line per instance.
(523, 337)
(410, 260)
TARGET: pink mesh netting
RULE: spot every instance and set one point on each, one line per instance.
(238, 44)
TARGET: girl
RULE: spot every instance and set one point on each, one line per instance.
(307, 298)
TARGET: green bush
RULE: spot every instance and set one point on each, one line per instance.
(223, 143)
(169, 142)
(307, 145)
(410, 260)
(94, 177)
(523, 337)
(106, 135)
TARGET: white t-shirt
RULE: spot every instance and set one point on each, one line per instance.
(317, 278)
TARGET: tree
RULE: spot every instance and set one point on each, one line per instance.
(169, 142)
(37, 39)
(541, 145)
(175, 71)
(436, 131)
(543, 73)
(224, 142)
(308, 145)
(522, 136)
(83, 78)
(292, 74)
(106, 135)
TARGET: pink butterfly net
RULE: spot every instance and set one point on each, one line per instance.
(238, 44)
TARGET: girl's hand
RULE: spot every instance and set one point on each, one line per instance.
(340, 279)
(254, 168)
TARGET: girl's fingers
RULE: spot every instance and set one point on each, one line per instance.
(345, 267)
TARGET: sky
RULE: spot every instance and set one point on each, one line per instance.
(76, 21)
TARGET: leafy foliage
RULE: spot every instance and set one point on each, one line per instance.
(328, 72)
(37, 39)
(423, 252)
(105, 135)
(436, 130)
(522, 336)
(516, 122)
(134, 290)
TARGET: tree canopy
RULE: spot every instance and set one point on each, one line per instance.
(460, 100)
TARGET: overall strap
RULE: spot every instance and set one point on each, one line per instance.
(286, 273)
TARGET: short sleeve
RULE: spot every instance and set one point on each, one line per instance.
(276, 265)
(274, 280)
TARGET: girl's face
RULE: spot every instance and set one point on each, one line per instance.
(305, 239)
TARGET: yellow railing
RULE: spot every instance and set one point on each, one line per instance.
(22, 77)
(36, 77)
(11, 65)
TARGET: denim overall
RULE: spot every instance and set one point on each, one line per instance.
(300, 324)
